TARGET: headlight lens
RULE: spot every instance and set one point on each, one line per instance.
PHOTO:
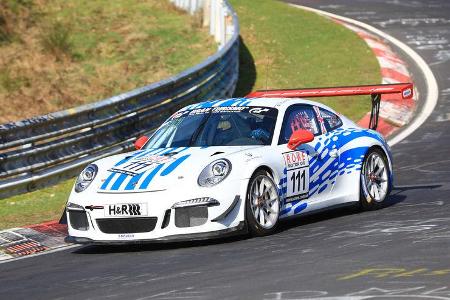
(86, 177)
(214, 173)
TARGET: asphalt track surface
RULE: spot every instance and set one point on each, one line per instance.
(401, 251)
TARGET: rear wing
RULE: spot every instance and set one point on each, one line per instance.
(404, 90)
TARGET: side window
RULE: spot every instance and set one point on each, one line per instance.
(298, 117)
(330, 120)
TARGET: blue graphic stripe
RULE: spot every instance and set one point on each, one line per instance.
(108, 180)
(131, 185)
(118, 182)
(349, 161)
(220, 103)
(133, 182)
(293, 206)
(300, 207)
(150, 176)
(174, 165)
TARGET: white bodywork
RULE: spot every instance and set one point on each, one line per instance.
(333, 164)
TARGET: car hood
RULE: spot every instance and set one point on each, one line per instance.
(158, 169)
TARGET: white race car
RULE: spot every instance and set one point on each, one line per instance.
(237, 165)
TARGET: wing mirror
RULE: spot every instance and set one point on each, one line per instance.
(140, 142)
(299, 137)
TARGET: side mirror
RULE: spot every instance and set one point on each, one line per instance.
(140, 142)
(299, 137)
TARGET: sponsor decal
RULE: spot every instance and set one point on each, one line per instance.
(297, 165)
(258, 110)
(406, 93)
(142, 164)
(92, 207)
(295, 159)
(296, 198)
(179, 114)
(220, 109)
(229, 109)
(199, 111)
(125, 236)
(126, 210)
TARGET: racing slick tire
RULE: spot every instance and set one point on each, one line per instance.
(375, 184)
(262, 206)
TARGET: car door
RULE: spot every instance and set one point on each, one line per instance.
(301, 184)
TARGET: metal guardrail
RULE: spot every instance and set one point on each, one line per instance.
(44, 150)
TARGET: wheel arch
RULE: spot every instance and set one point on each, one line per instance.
(384, 151)
(264, 167)
(388, 157)
(269, 170)
(250, 222)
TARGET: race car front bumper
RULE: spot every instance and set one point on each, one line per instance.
(169, 215)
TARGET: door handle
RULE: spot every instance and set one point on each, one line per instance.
(334, 153)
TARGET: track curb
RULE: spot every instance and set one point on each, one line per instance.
(32, 240)
(432, 92)
(395, 112)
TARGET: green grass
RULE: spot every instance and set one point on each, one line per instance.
(292, 48)
(302, 49)
(78, 51)
(36, 207)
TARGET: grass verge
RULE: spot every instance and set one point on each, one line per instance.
(59, 54)
(292, 48)
(281, 47)
(36, 207)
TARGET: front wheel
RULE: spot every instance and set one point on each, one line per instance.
(262, 207)
(374, 180)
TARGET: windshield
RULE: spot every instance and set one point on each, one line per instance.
(216, 126)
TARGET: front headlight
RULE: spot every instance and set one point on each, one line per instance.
(86, 177)
(214, 173)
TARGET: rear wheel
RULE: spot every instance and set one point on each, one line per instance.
(262, 207)
(374, 179)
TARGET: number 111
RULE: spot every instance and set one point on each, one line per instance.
(299, 177)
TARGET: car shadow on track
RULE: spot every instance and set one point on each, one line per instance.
(157, 246)
(397, 195)
(334, 213)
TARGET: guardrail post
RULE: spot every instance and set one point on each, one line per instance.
(212, 19)
(206, 12)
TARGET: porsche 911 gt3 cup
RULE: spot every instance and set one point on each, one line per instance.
(236, 165)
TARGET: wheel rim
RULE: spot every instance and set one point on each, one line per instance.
(264, 201)
(376, 177)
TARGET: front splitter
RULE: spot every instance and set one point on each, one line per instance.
(239, 229)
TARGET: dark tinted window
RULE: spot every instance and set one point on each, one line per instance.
(216, 126)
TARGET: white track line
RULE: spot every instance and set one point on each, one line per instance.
(430, 80)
